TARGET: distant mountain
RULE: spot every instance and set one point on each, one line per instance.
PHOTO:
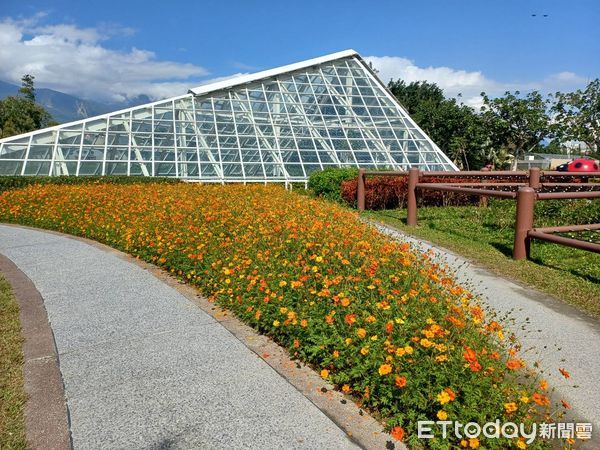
(66, 108)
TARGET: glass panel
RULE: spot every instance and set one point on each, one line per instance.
(10, 167)
(10, 151)
(116, 168)
(90, 168)
(37, 167)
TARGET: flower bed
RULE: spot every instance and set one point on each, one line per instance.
(379, 321)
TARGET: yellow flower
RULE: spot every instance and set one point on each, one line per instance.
(283, 310)
(400, 352)
(370, 287)
(521, 444)
(282, 283)
(408, 349)
(442, 415)
(324, 373)
(385, 369)
(304, 323)
(348, 341)
(510, 407)
(524, 399)
(426, 343)
(319, 259)
(441, 358)
(336, 354)
(443, 397)
(364, 351)
(374, 338)
(276, 323)
(361, 332)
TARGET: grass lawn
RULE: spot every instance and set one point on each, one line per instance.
(485, 236)
(12, 394)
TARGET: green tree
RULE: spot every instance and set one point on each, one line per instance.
(515, 124)
(27, 88)
(20, 114)
(454, 127)
(577, 116)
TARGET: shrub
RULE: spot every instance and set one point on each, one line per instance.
(391, 192)
(13, 182)
(328, 183)
(377, 319)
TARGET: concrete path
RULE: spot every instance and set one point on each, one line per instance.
(552, 332)
(143, 367)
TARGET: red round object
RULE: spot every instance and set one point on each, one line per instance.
(583, 165)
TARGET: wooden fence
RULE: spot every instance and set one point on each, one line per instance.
(526, 189)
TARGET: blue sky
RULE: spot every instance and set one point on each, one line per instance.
(111, 49)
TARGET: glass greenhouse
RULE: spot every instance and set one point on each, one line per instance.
(276, 125)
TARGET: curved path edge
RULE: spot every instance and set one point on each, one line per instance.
(360, 427)
(46, 412)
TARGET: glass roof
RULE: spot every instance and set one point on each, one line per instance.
(281, 127)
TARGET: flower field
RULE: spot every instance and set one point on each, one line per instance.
(376, 319)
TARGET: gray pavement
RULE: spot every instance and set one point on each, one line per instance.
(143, 367)
(551, 332)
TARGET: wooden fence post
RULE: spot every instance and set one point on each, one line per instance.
(360, 194)
(524, 222)
(534, 178)
(483, 200)
(411, 198)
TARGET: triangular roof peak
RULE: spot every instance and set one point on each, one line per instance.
(243, 79)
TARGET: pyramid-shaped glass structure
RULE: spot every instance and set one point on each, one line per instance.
(276, 125)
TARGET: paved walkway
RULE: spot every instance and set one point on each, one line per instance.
(144, 367)
(552, 332)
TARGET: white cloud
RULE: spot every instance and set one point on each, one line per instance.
(74, 60)
(468, 84)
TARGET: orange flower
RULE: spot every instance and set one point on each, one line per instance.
(350, 319)
(450, 393)
(296, 343)
(361, 332)
(544, 385)
(324, 373)
(400, 381)
(540, 399)
(385, 369)
(564, 373)
(397, 433)
(345, 302)
(566, 404)
(470, 355)
(514, 364)
(346, 388)
(475, 366)
(389, 327)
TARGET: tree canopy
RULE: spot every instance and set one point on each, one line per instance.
(20, 114)
(505, 127)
